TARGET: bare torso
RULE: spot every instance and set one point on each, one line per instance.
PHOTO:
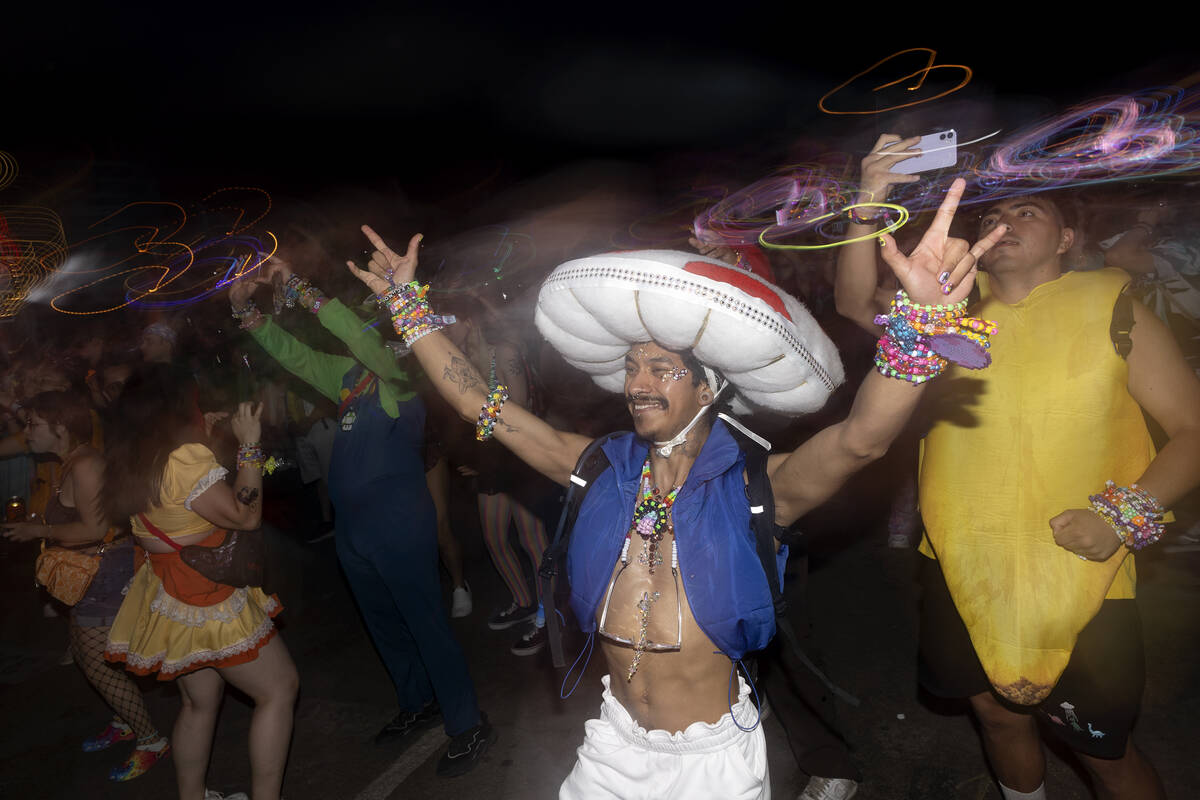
(670, 689)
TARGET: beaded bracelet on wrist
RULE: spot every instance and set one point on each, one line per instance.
(1132, 512)
(411, 315)
(251, 454)
(944, 328)
(490, 412)
(299, 290)
(248, 316)
(883, 217)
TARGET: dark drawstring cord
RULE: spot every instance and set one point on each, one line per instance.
(758, 703)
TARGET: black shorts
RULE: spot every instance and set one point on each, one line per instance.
(1092, 708)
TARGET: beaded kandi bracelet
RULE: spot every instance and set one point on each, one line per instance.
(486, 425)
(251, 454)
(248, 316)
(411, 314)
(299, 290)
(943, 330)
(1135, 514)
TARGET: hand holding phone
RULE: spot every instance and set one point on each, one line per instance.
(938, 151)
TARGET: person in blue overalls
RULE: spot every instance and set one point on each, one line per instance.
(386, 524)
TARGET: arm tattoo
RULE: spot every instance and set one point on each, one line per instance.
(507, 427)
(247, 496)
(461, 372)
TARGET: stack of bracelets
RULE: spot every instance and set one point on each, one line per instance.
(251, 454)
(411, 314)
(918, 341)
(1135, 514)
(884, 216)
(413, 319)
(298, 289)
(496, 397)
(249, 316)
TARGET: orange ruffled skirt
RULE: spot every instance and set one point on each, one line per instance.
(174, 620)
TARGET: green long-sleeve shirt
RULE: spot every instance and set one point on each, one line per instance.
(325, 372)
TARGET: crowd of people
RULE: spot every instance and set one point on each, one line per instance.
(1037, 337)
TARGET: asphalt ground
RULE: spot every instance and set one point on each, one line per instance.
(862, 603)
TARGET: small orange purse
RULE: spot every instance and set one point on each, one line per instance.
(67, 573)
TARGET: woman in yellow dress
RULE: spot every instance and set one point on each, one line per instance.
(174, 621)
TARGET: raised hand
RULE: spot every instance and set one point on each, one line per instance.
(247, 422)
(387, 268)
(240, 291)
(276, 269)
(940, 269)
(877, 173)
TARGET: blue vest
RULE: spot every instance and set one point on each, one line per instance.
(718, 562)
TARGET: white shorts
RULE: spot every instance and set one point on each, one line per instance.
(621, 759)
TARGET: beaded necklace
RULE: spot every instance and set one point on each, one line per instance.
(651, 518)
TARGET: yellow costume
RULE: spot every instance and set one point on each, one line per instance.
(174, 620)
(1022, 441)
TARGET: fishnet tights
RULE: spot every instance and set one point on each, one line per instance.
(111, 680)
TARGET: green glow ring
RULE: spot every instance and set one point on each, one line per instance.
(895, 226)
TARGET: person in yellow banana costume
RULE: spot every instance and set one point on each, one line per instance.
(1028, 605)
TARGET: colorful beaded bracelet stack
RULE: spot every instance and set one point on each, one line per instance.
(943, 329)
(411, 314)
(491, 412)
(249, 316)
(298, 289)
(1135, 514)
(903, 352)
(251, 454)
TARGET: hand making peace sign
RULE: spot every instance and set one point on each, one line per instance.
(387, 268)
(939, 261)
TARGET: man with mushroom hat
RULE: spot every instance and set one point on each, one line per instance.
(662, 563)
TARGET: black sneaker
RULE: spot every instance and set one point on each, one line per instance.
(532, 642)
(513, 615)
(466, 749)
(407, 723)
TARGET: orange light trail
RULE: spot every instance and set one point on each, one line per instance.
(920, 74)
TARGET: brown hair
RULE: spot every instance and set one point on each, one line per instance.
(67, 409)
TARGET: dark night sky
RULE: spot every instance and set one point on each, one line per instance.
(276, 94)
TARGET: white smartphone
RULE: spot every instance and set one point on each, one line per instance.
(938, 150)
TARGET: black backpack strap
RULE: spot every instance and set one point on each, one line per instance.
(1121, 327)
(591, 464)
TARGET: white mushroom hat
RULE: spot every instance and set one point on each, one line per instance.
(763, 340)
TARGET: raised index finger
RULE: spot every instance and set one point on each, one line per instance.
(376, 240)
(945, 213)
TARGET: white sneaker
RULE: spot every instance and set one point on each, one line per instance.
(209, 794)
(460, 601)
(829, 789)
